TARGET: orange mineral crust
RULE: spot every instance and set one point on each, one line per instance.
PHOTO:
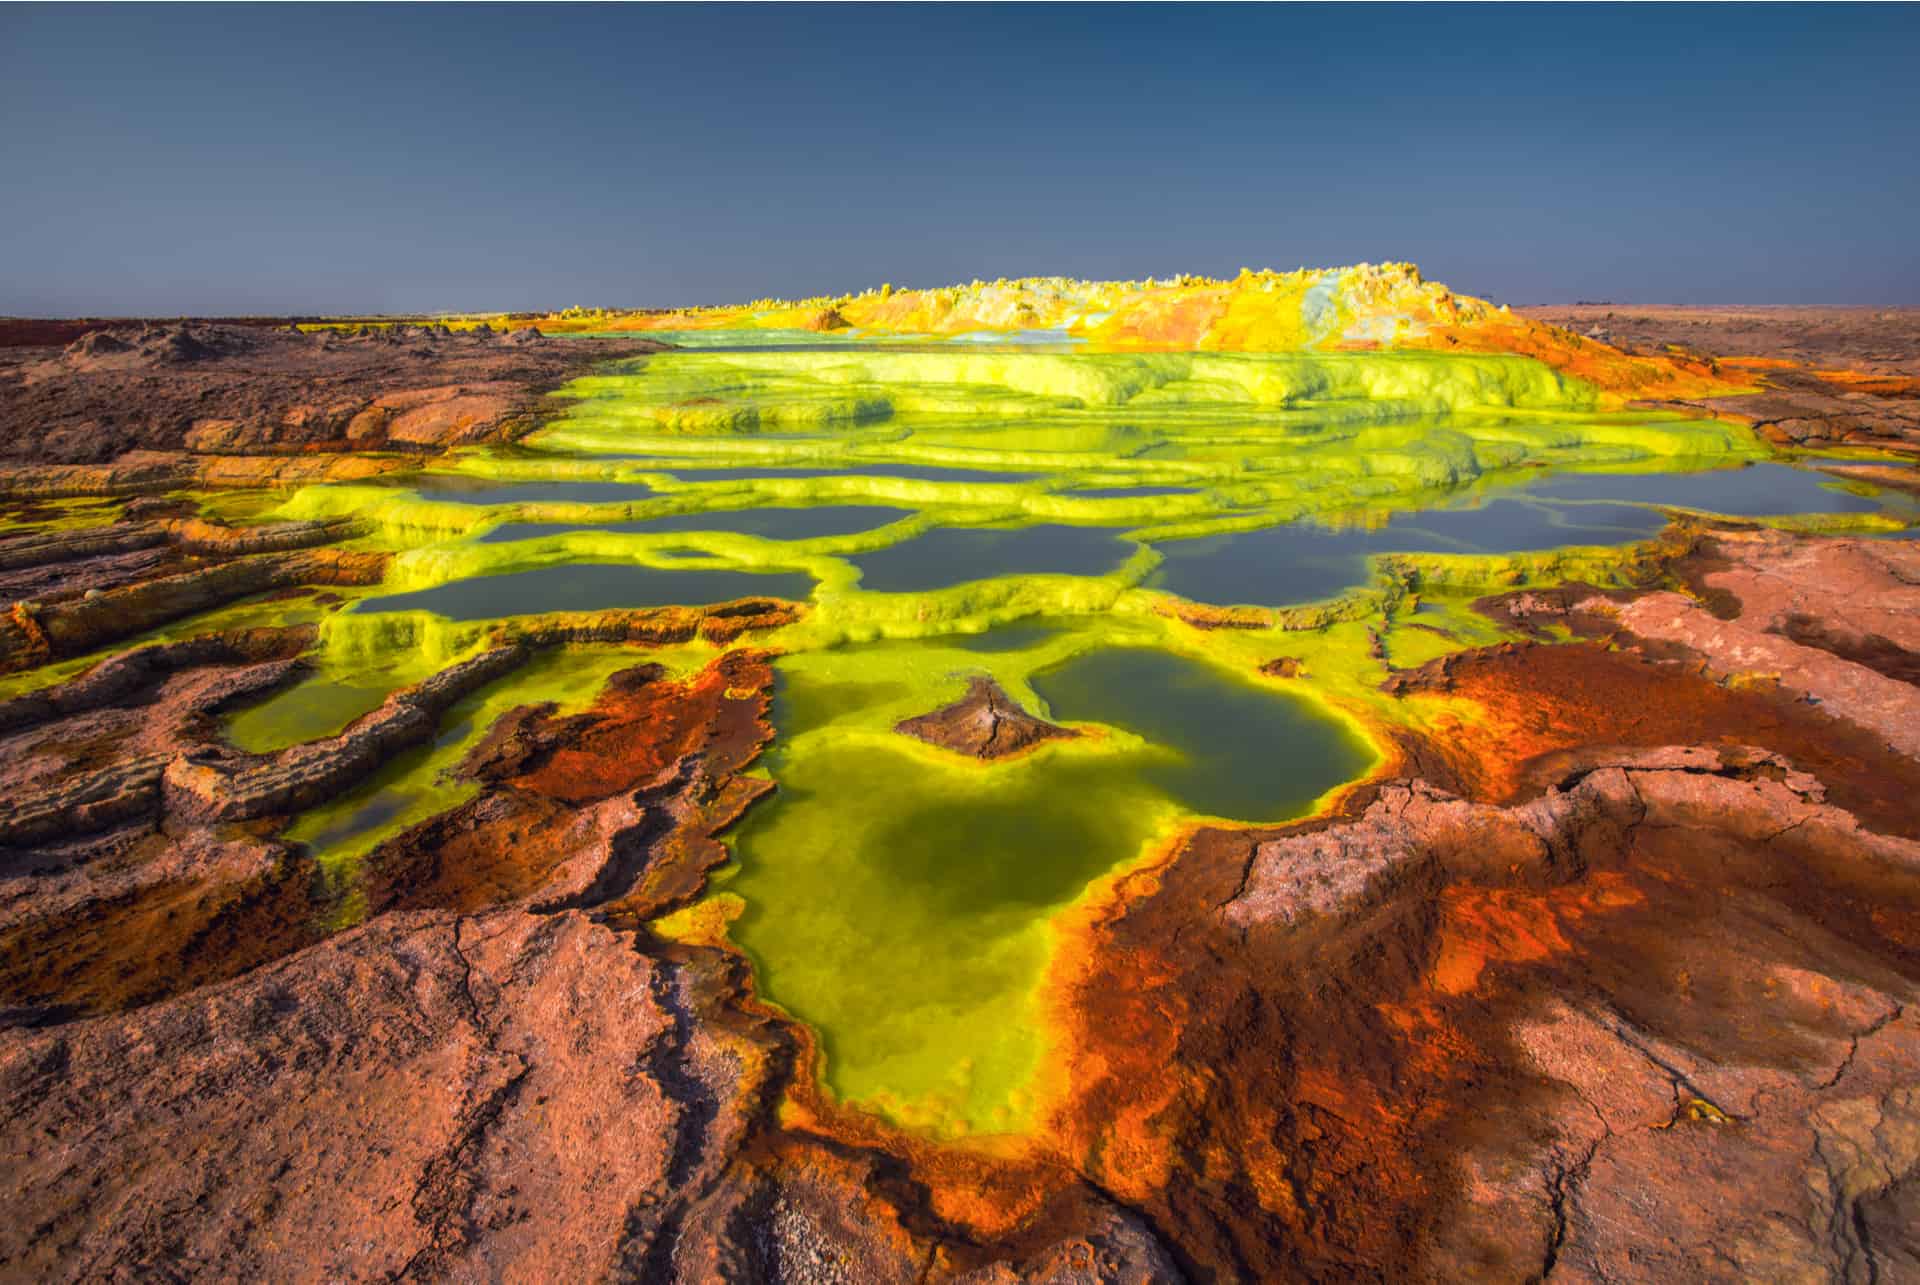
(1360, 1045)
(652, 753)
(1536, 708)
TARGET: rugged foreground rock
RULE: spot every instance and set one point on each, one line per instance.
(1654, 1024)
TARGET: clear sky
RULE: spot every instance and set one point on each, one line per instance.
(161, 159)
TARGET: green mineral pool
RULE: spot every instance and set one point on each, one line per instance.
(796, 523)
(1304, 562)
(898, 897)
(947, 556)
(588, 586)
(463, 489)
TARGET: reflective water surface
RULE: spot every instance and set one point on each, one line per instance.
(588, 587)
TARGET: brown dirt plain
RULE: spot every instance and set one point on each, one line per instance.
(1827, 375)
(1615, 981)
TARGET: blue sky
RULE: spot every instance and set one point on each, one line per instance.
(289, 158)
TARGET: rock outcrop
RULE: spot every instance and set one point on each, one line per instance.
(520, 1092)
(155, 473)
(983, 724)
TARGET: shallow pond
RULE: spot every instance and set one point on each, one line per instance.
(811, 523)
(1305, 562)
(948, 555)
(463, 489)
(589, 586)
(1754, 490)
(306, 711)
(1014, 637)
(1237, 751)
(915, 472)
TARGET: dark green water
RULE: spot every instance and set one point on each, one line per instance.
(810, 523)
(590, 586)
(948, 555)
(1239, 751)
(1754, 490)
(475, 490)
(307, 711)
(1304, 562)
(1014, 637)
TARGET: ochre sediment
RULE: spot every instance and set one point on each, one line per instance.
(612, 809)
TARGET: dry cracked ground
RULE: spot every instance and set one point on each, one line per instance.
(1613, 982)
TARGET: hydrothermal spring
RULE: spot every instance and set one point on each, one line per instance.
(1070, 522)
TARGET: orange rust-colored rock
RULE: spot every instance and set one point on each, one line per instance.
(1374, 1048)
(824, 319)
(615, 807)
(1666, 376)
(1535, 706)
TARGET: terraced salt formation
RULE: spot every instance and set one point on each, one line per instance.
(994, 808)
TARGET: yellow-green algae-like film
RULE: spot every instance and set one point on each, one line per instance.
(1045, 516)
